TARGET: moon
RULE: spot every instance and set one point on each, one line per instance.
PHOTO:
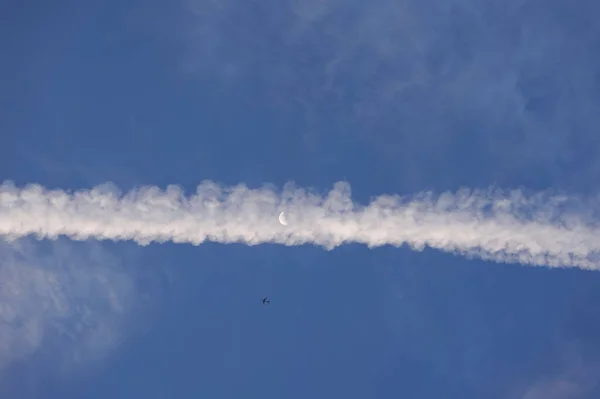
(282, 219)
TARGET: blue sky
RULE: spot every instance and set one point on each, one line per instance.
(395, 97)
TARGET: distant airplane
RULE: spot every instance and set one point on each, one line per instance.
(265, 300)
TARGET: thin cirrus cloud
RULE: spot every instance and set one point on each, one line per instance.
(62, 304)
(517, 227)
(515, 79)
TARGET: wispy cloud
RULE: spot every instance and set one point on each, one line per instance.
(64, 306)
(575, 380)
(422, 81)
(535, 229)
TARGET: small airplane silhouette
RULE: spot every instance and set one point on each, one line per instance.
(265, 300)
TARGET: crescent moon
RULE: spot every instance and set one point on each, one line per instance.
(282, 219)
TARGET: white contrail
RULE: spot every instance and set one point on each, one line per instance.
(503, 227)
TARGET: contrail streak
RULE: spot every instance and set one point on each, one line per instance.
(504, 227)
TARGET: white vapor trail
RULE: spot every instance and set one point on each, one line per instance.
(504, 227)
